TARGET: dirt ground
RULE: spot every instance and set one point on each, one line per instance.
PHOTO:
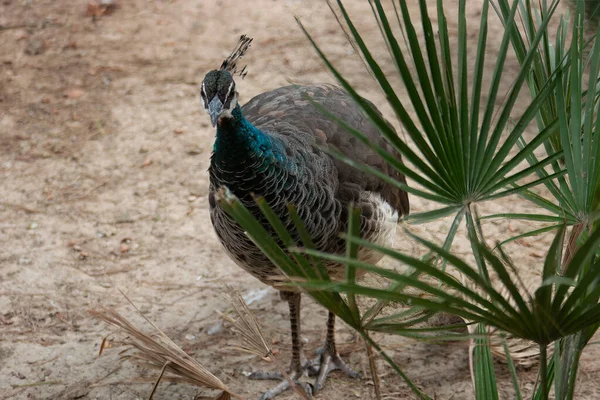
(104, 150)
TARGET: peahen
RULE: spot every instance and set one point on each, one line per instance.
(273, 147)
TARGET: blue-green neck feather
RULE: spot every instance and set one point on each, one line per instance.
(236, 137)
(244, 156)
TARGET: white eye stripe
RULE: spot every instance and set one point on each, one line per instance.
(229, 90)
(203, 97)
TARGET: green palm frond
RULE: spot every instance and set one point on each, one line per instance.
(574, 105)
(561, 305)
(459, 158)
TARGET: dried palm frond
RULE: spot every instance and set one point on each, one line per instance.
(254, 341)
(524, 353)
(246, 326)
(158, 351)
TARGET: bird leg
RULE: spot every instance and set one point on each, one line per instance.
(329, 359)
(298, 366)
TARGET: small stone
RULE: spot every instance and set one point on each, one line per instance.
(194, 151)
(35, 46)
(75, 93)
(99, 8)
(216, 328)
(355, 358)
(255, 295)
(24, 260)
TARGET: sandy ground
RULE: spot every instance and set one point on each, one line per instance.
(103, 158)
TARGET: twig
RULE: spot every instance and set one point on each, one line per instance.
(84, 195)
(20, 207)
(162, 372)
(374, 373)
(46, 383)
(7, 27)
(38, 363)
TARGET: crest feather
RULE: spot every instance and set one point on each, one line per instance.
(230, 63)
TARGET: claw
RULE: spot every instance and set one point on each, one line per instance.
(327, 361)
(331, 362)
(284, 384)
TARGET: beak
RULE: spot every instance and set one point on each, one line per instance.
(215, 107)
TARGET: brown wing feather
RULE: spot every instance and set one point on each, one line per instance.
(288, 105)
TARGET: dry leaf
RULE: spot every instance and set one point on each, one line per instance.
(99, 8)
(75, 93)
(538, 254)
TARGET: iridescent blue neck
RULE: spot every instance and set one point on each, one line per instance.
(236, 136)
(238, 140)
(250, 161)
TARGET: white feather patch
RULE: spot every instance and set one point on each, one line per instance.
(386, 230)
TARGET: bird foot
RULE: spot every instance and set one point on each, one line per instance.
(298, 377)
(330, 361)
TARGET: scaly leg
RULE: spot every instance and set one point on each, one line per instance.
(298, 368)
(329, 359)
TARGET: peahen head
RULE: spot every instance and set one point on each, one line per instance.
(218, 95)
